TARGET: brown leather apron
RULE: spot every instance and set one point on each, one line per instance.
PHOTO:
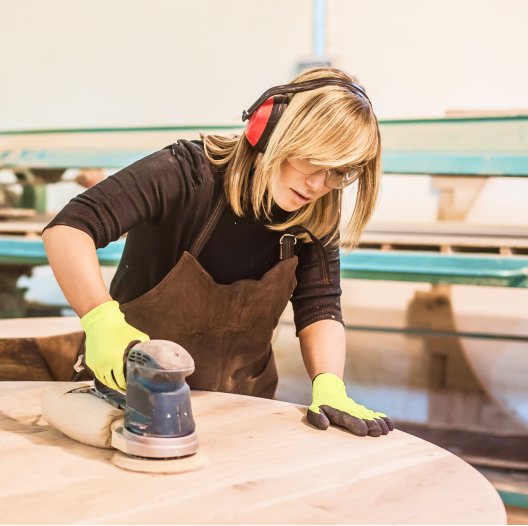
(226, 328)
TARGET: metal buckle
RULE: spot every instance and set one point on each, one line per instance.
(288, 235)
(289, 247)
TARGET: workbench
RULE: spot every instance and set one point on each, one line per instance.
(267, 466)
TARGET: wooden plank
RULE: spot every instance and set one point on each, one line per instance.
(13, 213)
(267, 466)
(26, 227)
(458, 236)
(448, 228)
(408, 241)
(39, 348)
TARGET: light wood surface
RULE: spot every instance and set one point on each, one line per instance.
(267, 467)
(39, 327)
(15, 213)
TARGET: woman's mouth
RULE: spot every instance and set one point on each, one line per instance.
(299, 198)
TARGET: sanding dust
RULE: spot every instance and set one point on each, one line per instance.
(170, 355)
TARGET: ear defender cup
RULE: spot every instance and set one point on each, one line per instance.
(264, 114)
(263, 121)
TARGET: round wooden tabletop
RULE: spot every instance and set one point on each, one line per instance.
(267, 466)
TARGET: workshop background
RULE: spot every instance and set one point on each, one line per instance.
(169, 62)
(435, 299)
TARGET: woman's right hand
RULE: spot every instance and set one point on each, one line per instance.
(107, 337)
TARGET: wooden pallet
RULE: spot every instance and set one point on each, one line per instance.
(446, 238)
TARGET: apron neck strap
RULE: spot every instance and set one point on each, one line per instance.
(209, 226)
(287, 241)
(321, 253)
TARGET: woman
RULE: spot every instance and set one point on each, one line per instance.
(221, 234)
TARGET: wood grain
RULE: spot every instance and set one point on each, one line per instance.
(267, 467)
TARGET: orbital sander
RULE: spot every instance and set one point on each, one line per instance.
(151, 425)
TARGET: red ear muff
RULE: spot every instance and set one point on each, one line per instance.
(264, 114)
(263, 121)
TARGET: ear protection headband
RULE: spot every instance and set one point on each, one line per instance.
(264, 114)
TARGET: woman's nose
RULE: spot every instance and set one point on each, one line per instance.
(316, 181)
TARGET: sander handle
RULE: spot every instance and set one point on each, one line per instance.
(113, 397)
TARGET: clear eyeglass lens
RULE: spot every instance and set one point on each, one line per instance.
(338, 180)
(333, 178)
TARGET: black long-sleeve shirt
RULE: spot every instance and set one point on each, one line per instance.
(162, 201)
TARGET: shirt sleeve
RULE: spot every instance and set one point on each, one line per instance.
(145, 191)
(313, 300)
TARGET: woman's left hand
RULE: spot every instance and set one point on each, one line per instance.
(331, 405)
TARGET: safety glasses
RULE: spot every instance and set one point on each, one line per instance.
(334, 179)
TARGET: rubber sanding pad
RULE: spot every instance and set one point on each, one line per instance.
(175, 465)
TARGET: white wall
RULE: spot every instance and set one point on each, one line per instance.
(97, 63)
(423, 57)
(102, 63)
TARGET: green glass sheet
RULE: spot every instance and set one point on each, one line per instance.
(31, 252)
(468, 269)
(486, 270)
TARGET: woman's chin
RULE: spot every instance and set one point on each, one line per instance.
(285, 205)
(292, 205)
(289, 207)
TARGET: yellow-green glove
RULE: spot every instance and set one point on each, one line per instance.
(107, 337)
(331, 405)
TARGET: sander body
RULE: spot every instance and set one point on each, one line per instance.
(158, 419)
(152, 423)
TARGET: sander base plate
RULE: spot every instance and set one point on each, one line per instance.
(172, 465)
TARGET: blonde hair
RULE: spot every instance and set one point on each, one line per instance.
(330, 125)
